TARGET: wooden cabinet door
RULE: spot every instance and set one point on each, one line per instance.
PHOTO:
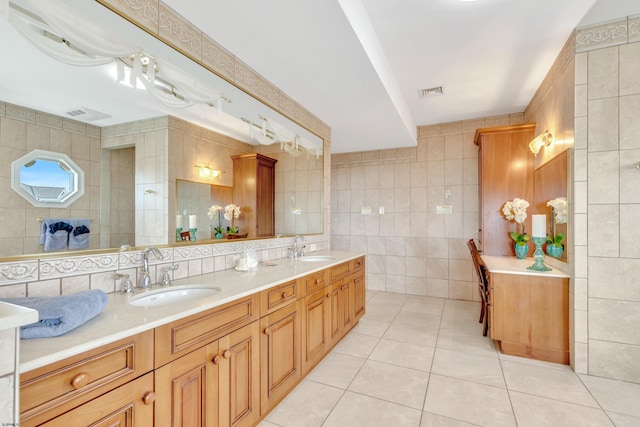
(280, 367)
(359, 295)
(505, 172)
(316, 326)
(130, 405)
(239, 377)
(341, 308)
(187, 389)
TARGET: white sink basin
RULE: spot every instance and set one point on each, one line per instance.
(315, 258)
(173, 295)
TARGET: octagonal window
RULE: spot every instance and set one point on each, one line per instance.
(47, 179)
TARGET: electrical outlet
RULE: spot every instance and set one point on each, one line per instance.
(447, 194)
(444, 210)
(365, 211)
(381, 210)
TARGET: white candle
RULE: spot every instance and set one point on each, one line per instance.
(539, 226)
(193, 221)
(178, 221)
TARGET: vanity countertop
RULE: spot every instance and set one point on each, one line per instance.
(513, 265)
(14, 316)
(120, 319)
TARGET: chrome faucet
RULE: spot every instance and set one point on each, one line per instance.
(166, 276)
(145, 281)
(297, 251)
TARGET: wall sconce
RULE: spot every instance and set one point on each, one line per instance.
(207, 172)
(544, 139)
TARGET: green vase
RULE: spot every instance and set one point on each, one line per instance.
(554, 251)
(521, 250)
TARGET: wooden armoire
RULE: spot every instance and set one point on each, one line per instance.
(254, 192)
(505, 169)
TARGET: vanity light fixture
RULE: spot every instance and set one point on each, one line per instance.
(207, 172)
(544, 139)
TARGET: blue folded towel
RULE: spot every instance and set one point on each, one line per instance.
(54, 234)
(59, 315)
(79, 238)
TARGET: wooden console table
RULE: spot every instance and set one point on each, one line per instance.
(528, 310)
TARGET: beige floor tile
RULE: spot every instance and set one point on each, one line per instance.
(622, 420)
(534, 362)
(427, 305)
(457, 310)
(427, 337)
(545, 382)
(616, 396)
(470, 402)
(381, 313)
(357, 345)
(391, 383)
(435, 420)
(470, 367)
(337, 370)
(455, 340)
(403, 354)
(534, 411)
(375, 328)
(423, 320)
(296, 411)
(355, 410)
(265, 423)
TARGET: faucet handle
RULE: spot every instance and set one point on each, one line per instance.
(166, 277)
(127, 286)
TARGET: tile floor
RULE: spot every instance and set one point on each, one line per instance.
(423, 362)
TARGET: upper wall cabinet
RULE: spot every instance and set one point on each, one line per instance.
(505, 172)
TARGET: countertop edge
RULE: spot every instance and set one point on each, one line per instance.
(14, 316)
(512, 265)
(120, 320)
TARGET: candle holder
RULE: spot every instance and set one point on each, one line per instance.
(192, 231)
(538, 255)
(178, 234)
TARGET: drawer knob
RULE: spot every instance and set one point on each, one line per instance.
(80, 381)
(215, 359)
(284, 295)
(226, 354)
(317, 281)
(148, 398)
(328, 295)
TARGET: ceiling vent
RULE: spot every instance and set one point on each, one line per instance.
(431, 92)
(86, 114)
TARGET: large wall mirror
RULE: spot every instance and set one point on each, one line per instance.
(133, 148)
(550, 187)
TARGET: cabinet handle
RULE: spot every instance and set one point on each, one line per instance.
(216, 359)
(266, 331)
(317, 281)
(80, 381)
(148, 398)
(328, 295)
(284, 295)
(226, 354)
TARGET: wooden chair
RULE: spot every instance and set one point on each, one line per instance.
(483, 284)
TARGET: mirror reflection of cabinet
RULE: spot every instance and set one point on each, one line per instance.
(254, 192)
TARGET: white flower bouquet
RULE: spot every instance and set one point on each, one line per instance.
(231, 212)
(559, 215)
(516, 210)
(216, 210)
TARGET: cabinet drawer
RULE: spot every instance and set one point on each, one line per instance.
(313, 282)
(339, 271)
(178, 338)
(278, 296)
(357, 264)
(129, 405)
(51, 390)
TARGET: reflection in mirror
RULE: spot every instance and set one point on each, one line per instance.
(550, 183)
(195, 198)
(47, 179)
(131, 197)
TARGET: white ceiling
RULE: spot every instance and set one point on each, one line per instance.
(358, 64)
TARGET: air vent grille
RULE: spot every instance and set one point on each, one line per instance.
(431, 92)
(75, 113)
(86, 114)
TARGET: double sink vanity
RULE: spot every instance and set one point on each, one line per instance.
(219, 349)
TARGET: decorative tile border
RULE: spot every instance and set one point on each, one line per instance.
(602, 35)
(52, 268)
(634, 28)
(18, 272)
